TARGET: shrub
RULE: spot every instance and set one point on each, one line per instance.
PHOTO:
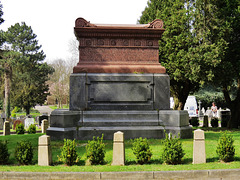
(96, 151)
(172, 150)
(214, 122)
(69, 154)
(141, 150)
(20, 128)
(225, 149)
(32, 129)
(24, 152)
(194, 121)
(4, 155)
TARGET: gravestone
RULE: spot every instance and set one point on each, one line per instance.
(28, 122)
(6, 128)
(16, 123)
(118, 85)
(1, 124)
(44, 125)
(42, 117)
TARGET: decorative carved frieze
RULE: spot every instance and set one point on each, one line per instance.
(118, 48)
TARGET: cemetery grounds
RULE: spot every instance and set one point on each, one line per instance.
(156, 164)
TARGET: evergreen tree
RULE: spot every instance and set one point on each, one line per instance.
(30, 73)
(227, 72)
(188, 57)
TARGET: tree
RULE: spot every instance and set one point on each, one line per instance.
(227, 72)
(1, 13)
(59, 82)
(30, 73)
(188, 56)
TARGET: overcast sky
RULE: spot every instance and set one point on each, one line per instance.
(53, 20)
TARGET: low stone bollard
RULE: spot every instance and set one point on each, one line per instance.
(199, 153)
(44, 125)
(44, 151)
(205, 121)
(118, 149)
(6, 128)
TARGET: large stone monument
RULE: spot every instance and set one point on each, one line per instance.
(118, 85)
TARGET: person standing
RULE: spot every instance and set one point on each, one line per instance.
(214, 109)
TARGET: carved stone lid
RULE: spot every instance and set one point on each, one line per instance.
(84, 28)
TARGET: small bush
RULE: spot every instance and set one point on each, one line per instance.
(24, 152)
(20, 129)
(4, 155)
(141, 150)
(214, 122)
(172, 150)
(32, 129)
(69, 154)
(96, 151)
(225, 149)
(194, 121)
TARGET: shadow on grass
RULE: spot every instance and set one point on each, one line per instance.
(214, 159)
(187, 161)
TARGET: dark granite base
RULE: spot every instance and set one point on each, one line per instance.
(134, 124)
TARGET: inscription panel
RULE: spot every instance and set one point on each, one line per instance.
(120, 92)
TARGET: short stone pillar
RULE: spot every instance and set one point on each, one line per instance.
(199, 153)
(6, 128)
(44, 125)
(205, 121)
(44, 151)
(118, 149)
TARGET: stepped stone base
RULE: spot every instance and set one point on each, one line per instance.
(134, 124)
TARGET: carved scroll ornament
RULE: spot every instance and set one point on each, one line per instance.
(156, 24)
(80, 22)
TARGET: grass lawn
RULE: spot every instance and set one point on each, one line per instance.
(55, 107)
(156, 163)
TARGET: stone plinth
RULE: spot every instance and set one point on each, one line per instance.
(6, 128)
(199, 153)
(106, 48)
(90, 91)
(118, 149)
(44, 151)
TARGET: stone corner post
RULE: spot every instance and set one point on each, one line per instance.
(118, 149)
(199, 153)
(44, 151)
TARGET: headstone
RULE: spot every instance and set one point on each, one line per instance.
(44, 125)
(6, 128)
(118, 149)
(16, 123)
(3, 116)
(199, 153)
(205, 121)
(44, 151)
(1, 124)
(28, 122)
(42, 117)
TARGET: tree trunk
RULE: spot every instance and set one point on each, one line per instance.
(235, 115)
(7, 83)
(180, 95)
(234, 106)
(27, 109)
